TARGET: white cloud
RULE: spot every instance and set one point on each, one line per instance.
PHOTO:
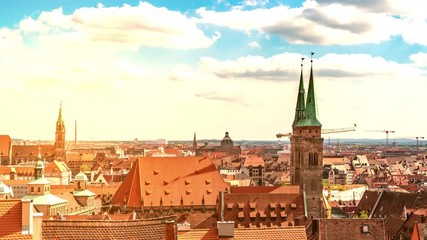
(254, 44)
(10, 40)
(255, 3)
(411, 30)
(142, 25)
(324, 24)
(419, 59)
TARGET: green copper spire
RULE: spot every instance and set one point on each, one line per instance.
(299, 110)
(310, 118)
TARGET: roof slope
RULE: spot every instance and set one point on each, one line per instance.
(5, 142)
(352, 228)
(170, 181)
(295, 233)
(150, 229)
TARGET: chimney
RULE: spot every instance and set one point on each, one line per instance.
(12, 175)
(37, 225)
(170, 233)
(296, 221)
(184, 227)
(225, 228)
(27, 216)
(221, 206)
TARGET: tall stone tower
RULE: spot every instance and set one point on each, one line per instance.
(59, 148)
(307, 149)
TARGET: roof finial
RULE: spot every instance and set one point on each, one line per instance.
(302, 59)
(60, 111)
(39, 156)
(311, 57)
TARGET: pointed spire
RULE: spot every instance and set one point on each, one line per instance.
(300, 107)
(39, 167)
(310, 109)
(60, 112)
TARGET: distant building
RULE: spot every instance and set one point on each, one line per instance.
(253, 166)
(38, 191)
(59, 147)
(5, 191)
(226, 147)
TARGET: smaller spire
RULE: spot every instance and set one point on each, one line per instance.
(311, 108)
(300, 107)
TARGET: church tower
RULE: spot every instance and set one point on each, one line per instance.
(307, 149)
(59, 148)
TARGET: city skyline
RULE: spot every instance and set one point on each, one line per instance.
(166, 69)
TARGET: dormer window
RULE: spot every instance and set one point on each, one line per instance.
(365, 229)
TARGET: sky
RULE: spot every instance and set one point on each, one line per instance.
(166, 69)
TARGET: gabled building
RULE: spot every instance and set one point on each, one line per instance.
(355, 229)
(253, 166)
(184, 186)
(382, 204)
(38, 191)
(262, 206)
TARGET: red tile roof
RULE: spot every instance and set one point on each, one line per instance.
(5, 142)
(351, 228)
(32, 150)
(265, 189)
(294, 233)
(253, 161)
(170, 181)
(150, 229)
(11, 220)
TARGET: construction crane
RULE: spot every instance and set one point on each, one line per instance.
(323, 131)
(418, 138)
(386, 141)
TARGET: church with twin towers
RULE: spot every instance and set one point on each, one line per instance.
(307, 148)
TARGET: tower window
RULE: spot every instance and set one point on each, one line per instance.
(310, 159)
(316, 159)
